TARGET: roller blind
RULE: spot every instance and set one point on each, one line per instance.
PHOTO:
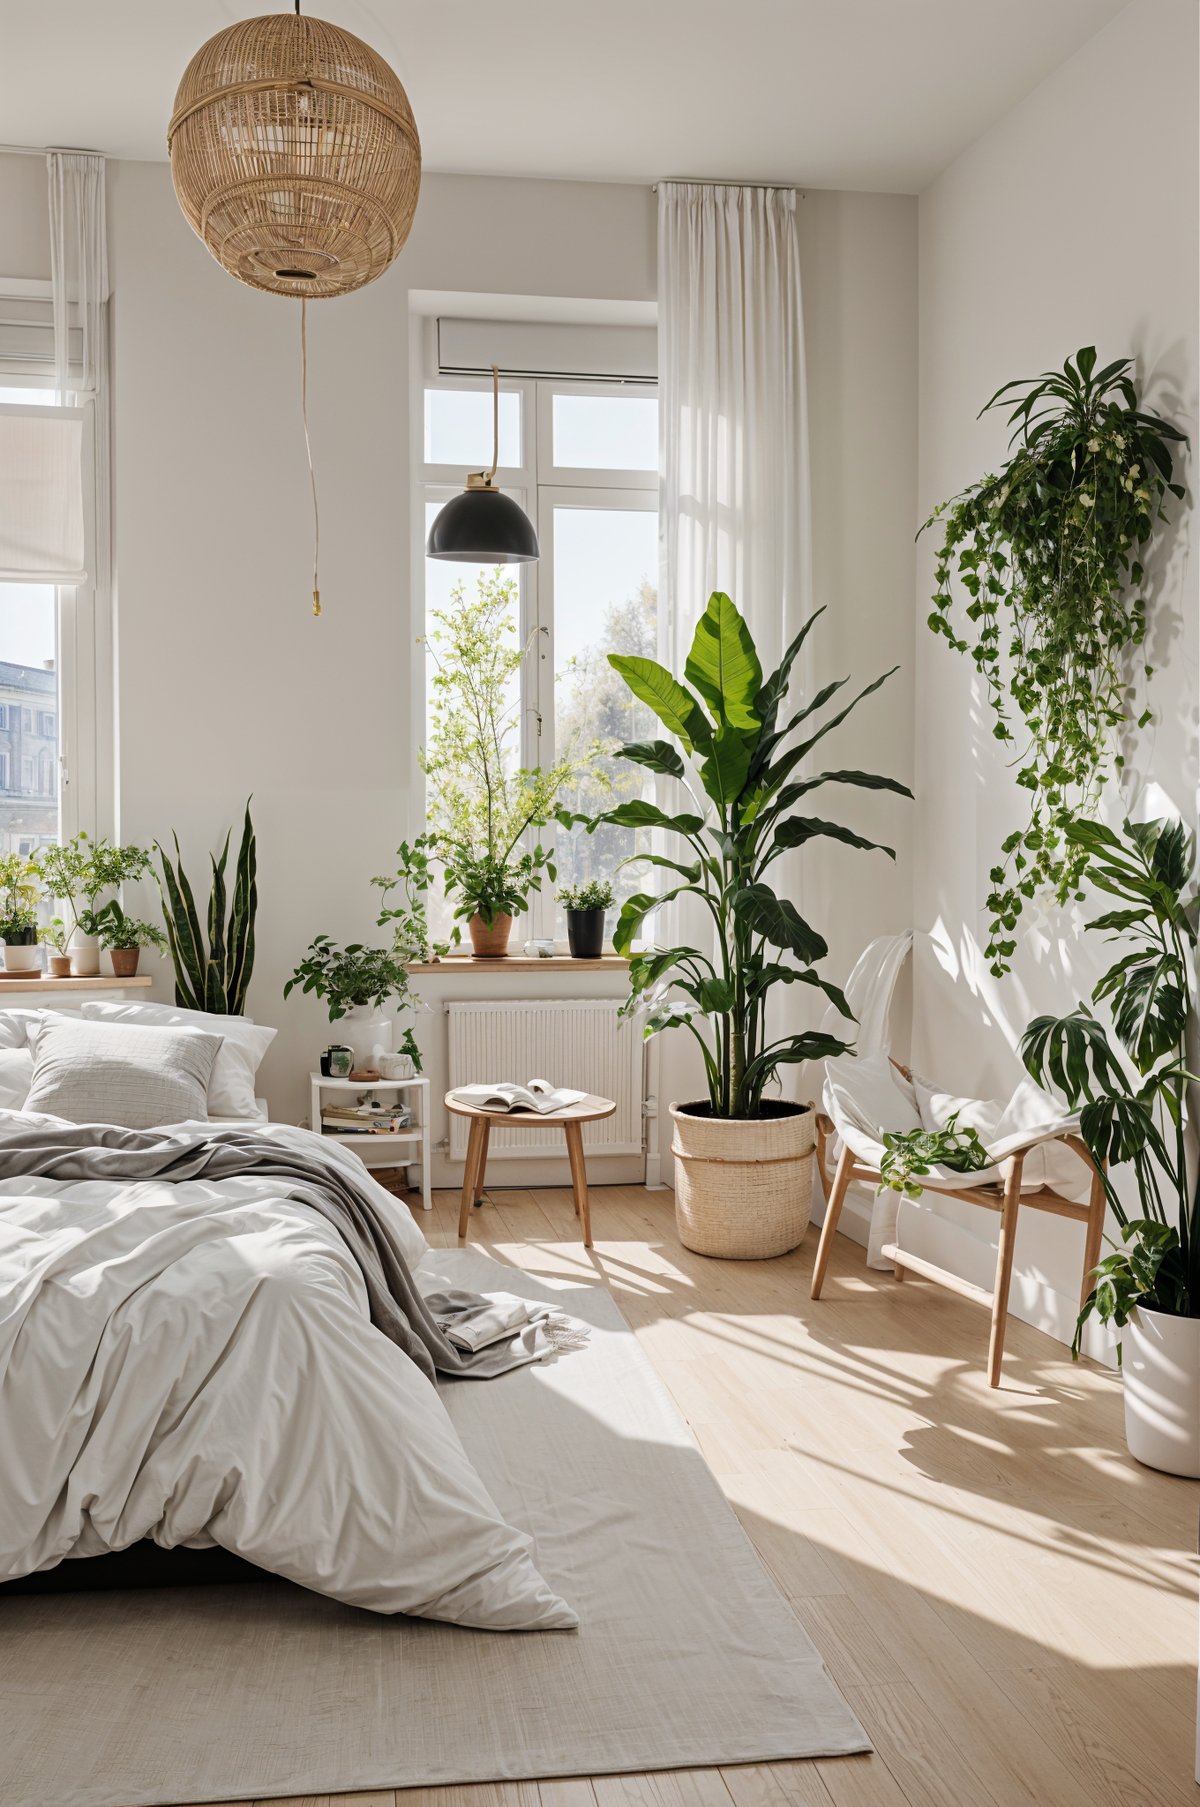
(41, 495)
(616, 353)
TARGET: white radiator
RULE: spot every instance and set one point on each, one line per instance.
(581, 1043)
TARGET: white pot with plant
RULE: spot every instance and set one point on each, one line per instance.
(78, 873)
(484, 805)
(1149, 1287)
(743, 1184)
(362, 988)
(18, 914)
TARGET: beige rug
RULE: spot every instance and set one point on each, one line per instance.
(687, 1653)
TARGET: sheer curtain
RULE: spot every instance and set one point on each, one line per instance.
(735, 511)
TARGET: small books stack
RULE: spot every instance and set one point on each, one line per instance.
(538, 1095)
(369, 1119)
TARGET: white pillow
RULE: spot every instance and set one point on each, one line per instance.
(243, 1044)
(131, 1074)
(16, 1062)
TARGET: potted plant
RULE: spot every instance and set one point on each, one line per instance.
(18, 913)
(78, 872)
(125, 937)
(744, 1159)
(585, 906)
(409, 918)
(356, 983)
(1132, 1113)
(1050, 552)
(213, 975)
(484, 807)
(55, 934)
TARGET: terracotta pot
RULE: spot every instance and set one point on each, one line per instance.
(60, 966)
(124, 961)
(490, 944)
(743, 1188)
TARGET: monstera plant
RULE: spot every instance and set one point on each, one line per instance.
(739, 762)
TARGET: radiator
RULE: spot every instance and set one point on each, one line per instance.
(581, 1043)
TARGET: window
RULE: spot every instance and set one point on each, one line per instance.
(582, 459)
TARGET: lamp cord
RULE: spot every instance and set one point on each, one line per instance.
(495, 420)
(312, 475)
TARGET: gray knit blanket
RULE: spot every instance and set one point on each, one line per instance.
(436, 1331)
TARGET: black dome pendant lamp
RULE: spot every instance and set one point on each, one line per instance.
(483, 526)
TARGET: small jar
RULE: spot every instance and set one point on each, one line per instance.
(539, 949)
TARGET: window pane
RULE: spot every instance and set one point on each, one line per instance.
(458, 427)
(28, 717)
(605, 600)
(606, 432)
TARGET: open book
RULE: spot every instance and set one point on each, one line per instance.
(539, 1095)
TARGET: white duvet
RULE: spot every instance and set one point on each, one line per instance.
(195, 1363)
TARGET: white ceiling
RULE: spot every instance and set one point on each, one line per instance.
(869, 94)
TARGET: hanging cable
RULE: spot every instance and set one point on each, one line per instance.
(312, 475)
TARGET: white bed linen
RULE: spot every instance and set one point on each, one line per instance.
(195, 1363)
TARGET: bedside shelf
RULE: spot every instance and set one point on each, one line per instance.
(390, 1148)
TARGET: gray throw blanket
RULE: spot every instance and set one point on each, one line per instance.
(422, 1326)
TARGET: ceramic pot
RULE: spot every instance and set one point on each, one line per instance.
(368, 1033)
(124, 961)
(22, 957)
(585, 934)
(490, 943)
(60, 966)
(1160, 1361)
(84, 953)
(743, 1186)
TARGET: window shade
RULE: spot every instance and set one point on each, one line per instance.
(615, 353)
(41, 495)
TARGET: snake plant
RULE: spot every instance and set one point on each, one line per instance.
(212, 976)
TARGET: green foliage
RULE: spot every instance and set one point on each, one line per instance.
(482, 802)
(596, 894)
(19, 878)
(213, 976)
(1136, 1121)
(115, 929)
(409, 919)
(78, 872)
(56, 934)
(736, 772)
(1050, 553)
(351, 976)
(911, 1153)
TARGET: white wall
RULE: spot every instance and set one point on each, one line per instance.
(1072, 222)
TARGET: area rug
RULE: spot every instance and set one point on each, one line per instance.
(686, 1654)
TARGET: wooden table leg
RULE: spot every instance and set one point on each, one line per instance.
(579, 1185)
(473, 1170)
(1004, 1265)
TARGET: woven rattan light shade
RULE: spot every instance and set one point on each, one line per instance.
(295, 156)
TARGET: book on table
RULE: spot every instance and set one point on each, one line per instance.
(365, 1119)
(506, 1096)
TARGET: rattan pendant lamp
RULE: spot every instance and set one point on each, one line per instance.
(483, 526)
(295, 159)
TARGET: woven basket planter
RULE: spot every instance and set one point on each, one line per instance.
(743, 1187)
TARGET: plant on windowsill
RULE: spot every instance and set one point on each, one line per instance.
(484, 808)
(77, 873)
(585, 906)
(357, 985)
(56, 934)
(744, 1160)
(1050, 552)
(212, 976)
(18, 913)
(409, 919)
(1149, 1287)
(125, 937)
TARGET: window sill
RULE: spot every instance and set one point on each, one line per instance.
(106, 982)
(520, 963)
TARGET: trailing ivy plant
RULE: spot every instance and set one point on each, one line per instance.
(912, 1153)
(1050, 553)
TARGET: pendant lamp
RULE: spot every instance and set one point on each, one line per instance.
(483, 526)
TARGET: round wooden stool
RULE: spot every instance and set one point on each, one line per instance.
(572, 1117)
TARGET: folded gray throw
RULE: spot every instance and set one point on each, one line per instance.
(419, 1326)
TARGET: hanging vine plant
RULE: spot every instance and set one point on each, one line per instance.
(1050, 552)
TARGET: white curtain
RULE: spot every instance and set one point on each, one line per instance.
(735, 510)
(41, 497)
(79, 281)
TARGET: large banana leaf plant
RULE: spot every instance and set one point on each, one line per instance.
(739, 755)
(212, 977)
(1132, 1102)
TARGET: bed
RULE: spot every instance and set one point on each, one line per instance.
(193, 1362)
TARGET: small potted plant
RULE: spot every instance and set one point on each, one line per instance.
(356, 983)
(18, 915)
(78, 872)
(56, 934)
(125, 937)
(585, 906)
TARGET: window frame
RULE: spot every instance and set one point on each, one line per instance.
(539, 485)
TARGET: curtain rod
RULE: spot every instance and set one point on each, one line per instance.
(708, 182)
(44, 150)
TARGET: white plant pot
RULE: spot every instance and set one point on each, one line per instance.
(369, 1033)
(22, 959)
(1160, 1361)
(84, 951)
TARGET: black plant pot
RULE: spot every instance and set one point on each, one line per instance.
(585, 934)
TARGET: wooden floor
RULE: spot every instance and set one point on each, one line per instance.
(1006, 1599)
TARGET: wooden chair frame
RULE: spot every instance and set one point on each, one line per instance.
(1008, 1200)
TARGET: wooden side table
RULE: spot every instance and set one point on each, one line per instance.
(572, 1118)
